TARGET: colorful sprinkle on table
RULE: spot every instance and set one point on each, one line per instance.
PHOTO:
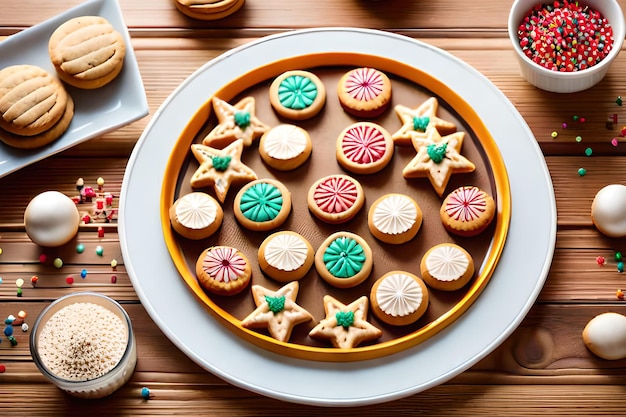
(114, 263)
(582, 172)
(619, 100)
(600, 260)
(58, 263)
(620, 266)
(3, 369)
(83, 274)
(619, 294)
(614, 142)
(579, 139)
(113, 279)
(554, 134)
(99, 250)
(145, 393)
(80, 248)
(69, 280)
(43, 258)
(588, 151)
(565, 36)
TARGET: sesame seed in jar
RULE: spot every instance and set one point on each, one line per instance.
(82, 341)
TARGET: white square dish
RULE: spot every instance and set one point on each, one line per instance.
(96, 111)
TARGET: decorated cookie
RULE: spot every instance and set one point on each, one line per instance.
(447, 267)
(235, 122)
(35, 109)
(223, 270)
(399, 298)
(196, 215)
(87, 52)
(297, 95)
(285, 147)
(415, 122)
(286, 256)
(335, 198)
(467, 211)
(438, 157)
(344, 260)
(394, 218)
(364, 148)
(262, 205)
(345, 326)
(219, 168)
(364, 92)
(276, 311)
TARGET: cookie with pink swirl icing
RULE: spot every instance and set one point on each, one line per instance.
(364, 92)
(364, 148)
(335, 198)
(467, 211)
(223, 270)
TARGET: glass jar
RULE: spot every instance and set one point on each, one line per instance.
(72, 336)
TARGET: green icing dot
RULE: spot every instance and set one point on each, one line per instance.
(242, 119)
(437, 152)
(344, 257)
(261, 202)
(344, 319)
(221, 163)
(297, 92)
(275, 304)
(421, 123)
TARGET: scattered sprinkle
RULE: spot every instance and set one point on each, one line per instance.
(623, 131)
(614, 142)
(575, 118)
(619, 100)
(83, 273)
(69, 280)
(620, 266)
(100, 231)
(582, 172)
(564, 125)
(579, 138)
(145, 393)
(582, 120)
(58, 263)
(80, 248)
(0, 280)
(620, 294)
(600, 260)
(618, 256)
(10, 319)
(8, 331)
(24, 327)
(588, 151)
(19, 282)
(13, 340)
(0, 251)
(43, 258)
(3, 369)
(19, 292)
(554, 134)
(114, 263)
(22, 314)
(99, 250)
(34, 279)
(113, 279)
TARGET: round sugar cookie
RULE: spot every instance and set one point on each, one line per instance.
(344, 260)
(286, 256)
(447, 267)
(196, 215)
(297, 95)
(285, 147)
(467, 211)
(87, 52)
(364, 92)
(399, 298)
(394, 218)
(364, 148)
(223, 270)
(262, 205)
(335, 198)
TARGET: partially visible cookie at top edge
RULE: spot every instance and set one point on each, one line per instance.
(297, 95)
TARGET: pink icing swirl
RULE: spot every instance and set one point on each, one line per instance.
(335, 195)
(364, 144)
(364, 84)
(224, 264)
(466, 204)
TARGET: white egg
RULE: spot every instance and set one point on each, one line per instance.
(608, 210)
(605, 336)
(51, 219)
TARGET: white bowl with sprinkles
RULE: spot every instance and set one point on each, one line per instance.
(84, 344)
(565, 46)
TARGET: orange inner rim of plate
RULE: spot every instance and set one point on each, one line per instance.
(466, 113)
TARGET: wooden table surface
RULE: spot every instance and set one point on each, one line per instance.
(543, 368)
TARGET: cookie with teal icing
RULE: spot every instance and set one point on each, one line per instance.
(234, 121)
(297, 95)
(262, 205)
(344, 260)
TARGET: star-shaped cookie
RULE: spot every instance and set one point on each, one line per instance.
(220, 168)
(415, 122)
(277, 311)
(234, 122)
(346, 326)
(438, 157)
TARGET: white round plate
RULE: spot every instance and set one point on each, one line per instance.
(511, 292)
